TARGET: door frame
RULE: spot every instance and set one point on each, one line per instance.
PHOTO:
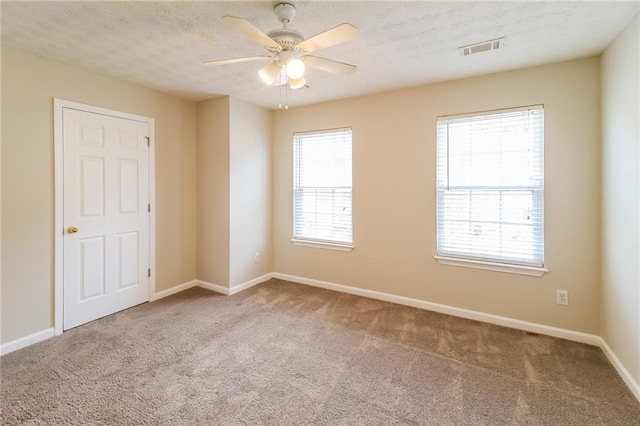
(58, 142)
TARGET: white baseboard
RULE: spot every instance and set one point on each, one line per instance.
(575, 336)
(213, 287)
(29, 340)
(174, 290)
(236, 288)
(241, 287)
(621, 369)
(210, 286)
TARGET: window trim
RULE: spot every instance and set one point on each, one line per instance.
(490, 265)
(345, 246)
(322, 244)
(496, 265)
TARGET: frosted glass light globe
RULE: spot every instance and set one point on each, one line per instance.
(295, 68)
(297, 83)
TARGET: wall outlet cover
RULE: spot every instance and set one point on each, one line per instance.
(562, 297)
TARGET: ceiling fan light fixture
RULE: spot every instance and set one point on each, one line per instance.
(295, 68)
(289, 52)
(269, 73)
(297, 83)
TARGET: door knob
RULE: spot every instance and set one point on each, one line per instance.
(72, 229)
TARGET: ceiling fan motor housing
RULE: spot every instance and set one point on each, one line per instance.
(286, 38)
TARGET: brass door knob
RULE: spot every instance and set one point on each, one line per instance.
(72, 229)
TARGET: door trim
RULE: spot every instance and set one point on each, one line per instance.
(58, 106)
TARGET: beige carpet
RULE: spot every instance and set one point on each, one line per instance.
(283, 353)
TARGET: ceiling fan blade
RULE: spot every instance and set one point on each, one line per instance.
(329, 65)
(251, 31)
(238, 60)
(337, 35)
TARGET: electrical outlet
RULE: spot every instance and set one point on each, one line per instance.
(256, 257)
(562, 297)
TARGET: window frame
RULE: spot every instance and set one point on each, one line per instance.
(448, 257)
(317, 242)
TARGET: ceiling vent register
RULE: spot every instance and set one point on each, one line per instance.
(485, 46)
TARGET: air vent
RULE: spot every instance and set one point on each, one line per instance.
(485, 46)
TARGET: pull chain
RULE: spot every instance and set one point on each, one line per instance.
(286, 95)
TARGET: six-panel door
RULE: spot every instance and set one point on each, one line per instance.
(106, 194)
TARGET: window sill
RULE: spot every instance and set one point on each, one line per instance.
(532, 271)
(322, 245)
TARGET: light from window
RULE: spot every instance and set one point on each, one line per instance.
(490, 184)
(322, 210)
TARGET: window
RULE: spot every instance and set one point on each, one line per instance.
(322, 212)
(490, 190)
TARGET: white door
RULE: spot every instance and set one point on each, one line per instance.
(105, 215)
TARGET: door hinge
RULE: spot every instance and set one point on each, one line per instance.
(149, 207)
(149, 272)
(148, 141)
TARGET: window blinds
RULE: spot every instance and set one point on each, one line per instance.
(490, 186)
(322, 190)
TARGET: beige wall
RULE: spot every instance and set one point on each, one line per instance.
(234, 191)
(250, 196)
(29, 85)
(621, 197)
(394, 150)
(213, 191)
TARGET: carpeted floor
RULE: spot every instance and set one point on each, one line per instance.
(283, 353)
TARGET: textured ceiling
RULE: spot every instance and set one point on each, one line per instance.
(162, 45)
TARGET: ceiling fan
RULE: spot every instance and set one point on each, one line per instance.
(289, 51)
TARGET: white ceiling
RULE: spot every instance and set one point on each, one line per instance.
(162, 45)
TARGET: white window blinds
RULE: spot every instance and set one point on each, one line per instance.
(490, 186)
(322, 186)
